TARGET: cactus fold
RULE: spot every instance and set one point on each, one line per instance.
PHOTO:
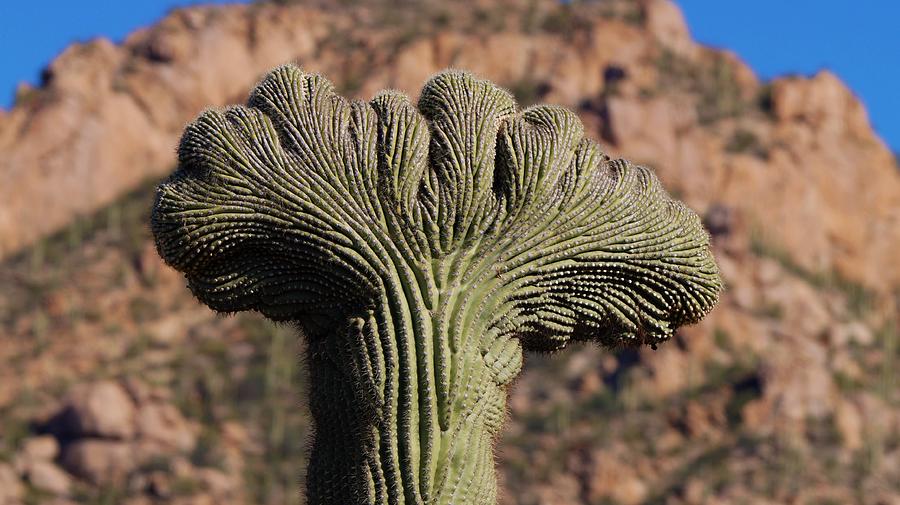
(421, 248)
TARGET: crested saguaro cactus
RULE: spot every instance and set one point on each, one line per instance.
(421, 248)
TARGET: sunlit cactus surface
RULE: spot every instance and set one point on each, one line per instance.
(420, 248)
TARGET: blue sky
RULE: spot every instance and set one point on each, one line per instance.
(32, 33)
(859, 41)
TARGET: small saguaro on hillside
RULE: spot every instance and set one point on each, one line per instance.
(421, 248)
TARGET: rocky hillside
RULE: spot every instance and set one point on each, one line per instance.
(117, 387)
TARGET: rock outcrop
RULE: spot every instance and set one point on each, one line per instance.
(827, 191)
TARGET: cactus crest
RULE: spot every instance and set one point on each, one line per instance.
(420, 248)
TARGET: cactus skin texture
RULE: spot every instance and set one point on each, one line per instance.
(420, 249)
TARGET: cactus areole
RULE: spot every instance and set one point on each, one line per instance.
(421, 248)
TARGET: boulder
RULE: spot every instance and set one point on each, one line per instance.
(102, 409)
(41, 448)
(11, 489)
(666, 22)
(164, 424)
(46, 476)
(100, 462)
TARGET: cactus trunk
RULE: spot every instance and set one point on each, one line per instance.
(408, 397)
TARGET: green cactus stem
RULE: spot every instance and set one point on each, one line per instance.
(421, 248)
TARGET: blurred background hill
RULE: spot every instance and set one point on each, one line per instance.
(116, 387)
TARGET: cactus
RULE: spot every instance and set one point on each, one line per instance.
(420, 249)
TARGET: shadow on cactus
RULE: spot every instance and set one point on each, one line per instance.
(420, 249)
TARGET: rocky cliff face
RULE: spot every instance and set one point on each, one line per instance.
(796, 156)
(786, 394)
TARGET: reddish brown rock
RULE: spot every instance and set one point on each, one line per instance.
(164, 425)
(41, 448)
(101, 462)
(849, 423)
(665, 22)
(823, 102)
(11, 489)
(102, 409)
(49, 478)
(614, 479)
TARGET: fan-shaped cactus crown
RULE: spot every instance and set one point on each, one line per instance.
(296, 205)
(441, 237)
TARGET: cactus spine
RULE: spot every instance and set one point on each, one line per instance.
(421, 248)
